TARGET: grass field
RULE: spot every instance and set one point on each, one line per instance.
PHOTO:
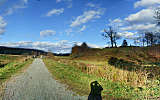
(11, 65)
(117, 83)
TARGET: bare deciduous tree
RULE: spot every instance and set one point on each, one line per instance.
(157, 16)
(150, 38)
(112, 35)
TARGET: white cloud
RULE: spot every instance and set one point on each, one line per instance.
(68, 31)
(47, 33)
(68, 2)
(86, 17)
(95, 46)
(140, 27)
(12, 9)
(89, 44)
(146, 3)
(83, 28)
(126, 34)
(91, 5)
(138, 22)
(70, 5)
(55, 12)
(62, 46)
(143, 16)
(102, 31)
(25, 1)
(2, 31)
(3, 25)
(116, 22)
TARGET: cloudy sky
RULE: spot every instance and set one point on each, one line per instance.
(58, 24)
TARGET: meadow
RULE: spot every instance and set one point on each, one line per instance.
(124, 73)
(10, 65)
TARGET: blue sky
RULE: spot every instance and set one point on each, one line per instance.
(57, 25)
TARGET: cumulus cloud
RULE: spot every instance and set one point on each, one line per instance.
(127, 35)
(86, 17)
(55, 12)
(62, 46)
(116, 22)
(3, 25)
(140, 27)
(143, 16)
(136, 23)
(83, 28)
(89, 44)
(12, 9)
(47, 33)
(140, 21)
(146, 3)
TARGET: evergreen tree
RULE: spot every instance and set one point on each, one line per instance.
(124, 44)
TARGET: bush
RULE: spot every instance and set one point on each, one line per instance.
(112, 61)
(120, 63)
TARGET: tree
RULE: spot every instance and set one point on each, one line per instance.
(150, 38)
(142, 39)
(157, 16)
(84, 45)
(124, 44)
(112, 35)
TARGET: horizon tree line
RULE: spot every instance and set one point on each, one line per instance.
(145, 38)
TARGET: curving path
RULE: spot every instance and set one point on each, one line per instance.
(36, 83)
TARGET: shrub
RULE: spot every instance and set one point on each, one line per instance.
(120, 63)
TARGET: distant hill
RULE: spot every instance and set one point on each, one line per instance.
(134, 54)
(61, 54)
(20, 51)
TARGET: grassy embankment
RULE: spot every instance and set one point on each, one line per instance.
(140, 81)
(9, 65)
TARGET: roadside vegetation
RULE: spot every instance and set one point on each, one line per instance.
(124, 73)
(10, 65)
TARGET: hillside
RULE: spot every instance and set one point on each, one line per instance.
(20, 51)
(132, 54)
(124, 72)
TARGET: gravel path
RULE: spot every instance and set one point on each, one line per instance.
(36, 83)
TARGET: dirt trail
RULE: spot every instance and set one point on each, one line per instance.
(36, 83)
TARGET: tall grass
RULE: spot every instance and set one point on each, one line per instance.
(11, 64)
(117, 82)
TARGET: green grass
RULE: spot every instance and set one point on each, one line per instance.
(79, 82)
(12, 65)
(140, 83)
(11, 68)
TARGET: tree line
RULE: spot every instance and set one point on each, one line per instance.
(146, 38)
